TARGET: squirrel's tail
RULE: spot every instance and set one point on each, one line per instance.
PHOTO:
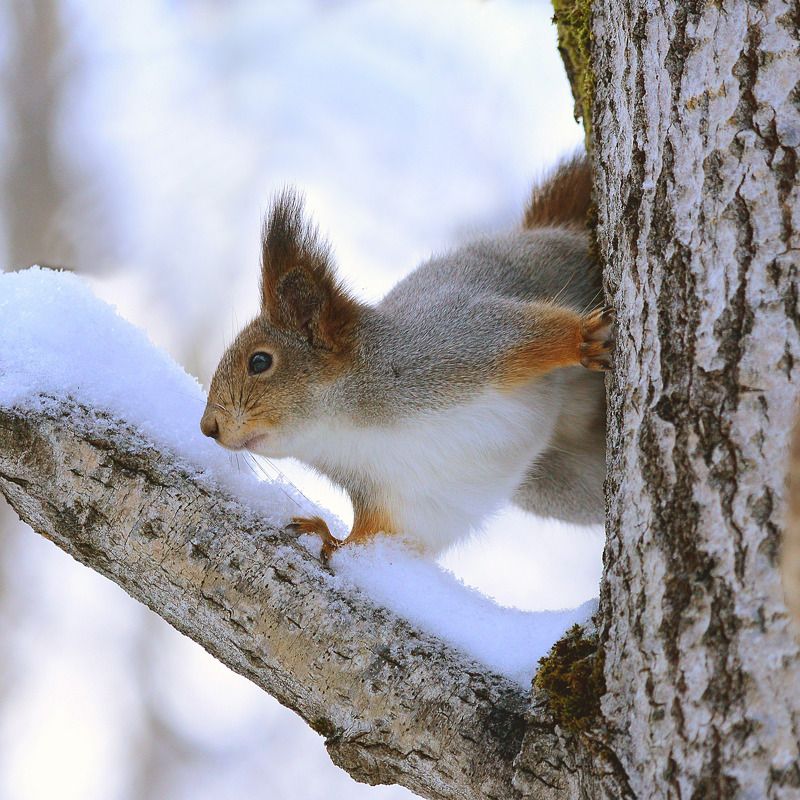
(564, 198)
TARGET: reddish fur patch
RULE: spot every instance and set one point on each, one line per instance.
(367, 522)
(558, 337)
(565, 198)
(299, 288)
(555, 338)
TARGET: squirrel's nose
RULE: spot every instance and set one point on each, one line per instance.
(209, 426)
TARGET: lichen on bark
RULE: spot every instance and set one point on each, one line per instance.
(571, 675)
(573, 19)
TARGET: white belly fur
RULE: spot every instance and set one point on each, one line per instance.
(442, 473)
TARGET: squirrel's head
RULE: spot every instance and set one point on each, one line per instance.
(271, 382)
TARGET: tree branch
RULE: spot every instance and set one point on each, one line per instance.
(394, 704)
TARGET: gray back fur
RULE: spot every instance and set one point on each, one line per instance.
(429, 341)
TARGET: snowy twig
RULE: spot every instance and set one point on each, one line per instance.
(395, 704)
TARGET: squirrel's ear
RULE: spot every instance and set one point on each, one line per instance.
(299, 290)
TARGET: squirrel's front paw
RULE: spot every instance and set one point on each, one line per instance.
(597, 331)
(317, 525)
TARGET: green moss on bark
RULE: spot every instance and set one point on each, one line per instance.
(573, 19)
(571, 674)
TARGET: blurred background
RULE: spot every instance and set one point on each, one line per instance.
(139, 146)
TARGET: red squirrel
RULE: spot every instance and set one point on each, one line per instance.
(474, 382)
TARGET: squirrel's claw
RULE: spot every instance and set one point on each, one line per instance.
(597, 331)
(317, 525)
(329, 547)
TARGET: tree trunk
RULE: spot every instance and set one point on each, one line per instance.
(696, 129)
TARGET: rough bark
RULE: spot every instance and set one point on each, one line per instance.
(696, 129)
(394, 704)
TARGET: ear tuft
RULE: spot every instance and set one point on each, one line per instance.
(299, 290)
(288, 242)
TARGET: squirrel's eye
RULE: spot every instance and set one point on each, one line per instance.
(259, 362)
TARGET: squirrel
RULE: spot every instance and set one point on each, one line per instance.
(476, 381)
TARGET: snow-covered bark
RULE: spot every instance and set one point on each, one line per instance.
(394, 704)
(696, 131)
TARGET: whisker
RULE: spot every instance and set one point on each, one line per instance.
(593, 305)
(258, 417)
(241, 392)
(283, 477)
(559, 294)
(254, 396)
(257, 465)
(222, 408)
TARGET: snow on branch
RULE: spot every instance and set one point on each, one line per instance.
(394, 704)
(100, 452)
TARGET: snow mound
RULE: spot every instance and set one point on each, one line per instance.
(59, 340)
(507, 640)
